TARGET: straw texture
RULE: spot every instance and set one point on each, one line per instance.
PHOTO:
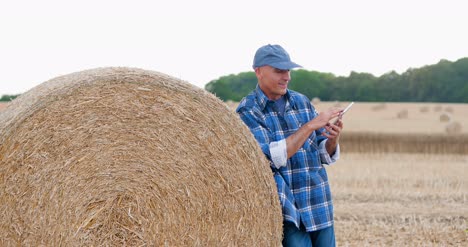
(123, 156)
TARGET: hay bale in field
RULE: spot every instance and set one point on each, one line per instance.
(453, 128)
(120, 156)
(378, 107)
(424, 109)
(403, 114)
(449, 109)
(445, 117)
(315, 101)
(437, 108)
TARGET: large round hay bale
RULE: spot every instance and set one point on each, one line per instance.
(119, 156)
(453, 128)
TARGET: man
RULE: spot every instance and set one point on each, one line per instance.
(297, 141)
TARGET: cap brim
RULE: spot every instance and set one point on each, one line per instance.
(285, 65)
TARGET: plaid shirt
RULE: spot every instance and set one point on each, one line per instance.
(302, 184)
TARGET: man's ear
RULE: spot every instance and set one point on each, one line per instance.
(258, 72)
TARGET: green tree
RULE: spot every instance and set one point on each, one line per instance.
(6, 97)
(312, 83)
(233, 87)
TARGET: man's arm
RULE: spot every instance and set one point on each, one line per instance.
(296, 140)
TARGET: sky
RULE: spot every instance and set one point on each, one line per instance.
(199, 41)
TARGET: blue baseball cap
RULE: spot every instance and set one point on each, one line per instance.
(274, 56)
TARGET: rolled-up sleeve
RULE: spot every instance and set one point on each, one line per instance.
(279, 155)
(325, 156)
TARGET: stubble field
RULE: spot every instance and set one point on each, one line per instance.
(402, 179)
(400, 199)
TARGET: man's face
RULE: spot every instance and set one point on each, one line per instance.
(272, 81)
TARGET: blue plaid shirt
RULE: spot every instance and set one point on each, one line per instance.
(302, 184)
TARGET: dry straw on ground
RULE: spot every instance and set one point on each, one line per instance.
(397, 199)
(120, 156)
(403, 114)
(367, 142)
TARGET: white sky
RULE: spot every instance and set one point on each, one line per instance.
(201, 40)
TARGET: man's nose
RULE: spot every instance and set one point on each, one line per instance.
(287, 76)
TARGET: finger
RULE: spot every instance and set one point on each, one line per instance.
(337, 120)
(335, 126)
(331, 131)
(335, 111)
(338, 128)
(327, 130)
(326, 135)
(329, 135)
(334, 115)
(339, 123)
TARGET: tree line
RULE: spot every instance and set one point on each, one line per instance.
(445, 81)
(7, 97)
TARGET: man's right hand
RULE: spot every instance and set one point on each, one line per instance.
(324, 117)
(296, 140)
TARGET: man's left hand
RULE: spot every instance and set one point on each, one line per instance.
(333, 134)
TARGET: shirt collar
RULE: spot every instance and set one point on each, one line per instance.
(263, 99)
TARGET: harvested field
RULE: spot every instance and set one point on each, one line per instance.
(363, 117)
(404, 143)
(400, 199)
